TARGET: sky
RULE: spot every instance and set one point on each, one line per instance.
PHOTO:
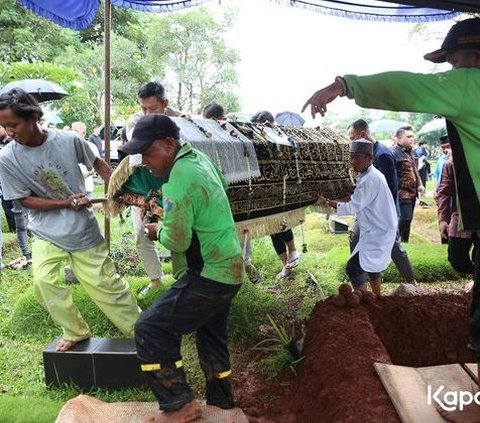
(288, 53)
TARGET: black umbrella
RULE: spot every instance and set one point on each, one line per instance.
(41, 89)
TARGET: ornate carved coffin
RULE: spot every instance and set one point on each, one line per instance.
(273, 172)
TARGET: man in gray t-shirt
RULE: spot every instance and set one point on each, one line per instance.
(40, 169)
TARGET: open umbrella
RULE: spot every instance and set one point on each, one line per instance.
(289, 119)
(435, 125)
(41, 89)
(385, 125)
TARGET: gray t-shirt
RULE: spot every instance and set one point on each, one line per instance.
(51, 171)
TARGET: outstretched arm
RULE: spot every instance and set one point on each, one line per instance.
(319, 100)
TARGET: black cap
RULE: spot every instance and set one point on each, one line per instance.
(148, 129)
(361, 146)
(464, 35)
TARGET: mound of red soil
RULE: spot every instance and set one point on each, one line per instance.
(336, 381)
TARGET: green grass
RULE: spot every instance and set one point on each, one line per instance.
(25, 327)
(30, 409)
(429, 262)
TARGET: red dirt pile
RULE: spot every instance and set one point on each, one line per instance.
(336, 381)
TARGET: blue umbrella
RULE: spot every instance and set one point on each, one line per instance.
(41, 89)
(289, 119)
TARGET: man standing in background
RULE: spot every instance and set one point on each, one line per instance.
(409, 182)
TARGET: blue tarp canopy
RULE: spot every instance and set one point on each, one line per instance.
(79, 14)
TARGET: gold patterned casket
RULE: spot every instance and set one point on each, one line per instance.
(273, 172)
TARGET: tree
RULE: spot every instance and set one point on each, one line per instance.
(129, 71)
(25, 37)
(74, 107)
(189, 48)
(126, 23)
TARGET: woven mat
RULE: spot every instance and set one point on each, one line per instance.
(86, 409)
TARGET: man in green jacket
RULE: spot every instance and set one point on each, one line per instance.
(198, 228)
(453, 94)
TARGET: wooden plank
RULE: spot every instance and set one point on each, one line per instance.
(472, 370)
(452, 376)
(408, 393)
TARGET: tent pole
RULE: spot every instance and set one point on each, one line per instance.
(107, 98)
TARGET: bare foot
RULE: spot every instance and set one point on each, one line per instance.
(188, 413)
(64, 345)
(469, 414)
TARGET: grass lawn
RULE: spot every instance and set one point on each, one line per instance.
(25, 328)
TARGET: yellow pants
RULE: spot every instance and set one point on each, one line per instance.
(96, 272)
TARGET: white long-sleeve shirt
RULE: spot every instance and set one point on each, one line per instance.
(373, 205)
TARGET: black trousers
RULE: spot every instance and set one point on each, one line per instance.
(7, 206)
(192, 304)
(280, 239)
(461, 255)
(406, 216)
(474, 319)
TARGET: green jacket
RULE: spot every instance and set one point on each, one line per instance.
(453, 94)
(198, 224)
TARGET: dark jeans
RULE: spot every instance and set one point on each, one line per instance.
(399, 255)
(406, 216)
(460, 254)
(356, 274)
(192, 304)
(21, 221)
(423, 173)
(7, 206)
(280, 240)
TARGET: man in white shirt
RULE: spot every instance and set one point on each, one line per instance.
(373, 205)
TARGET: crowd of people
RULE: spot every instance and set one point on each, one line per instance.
(45, 172)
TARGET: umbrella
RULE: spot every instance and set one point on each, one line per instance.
(41, 89)
(385, 125)
(52, 117)
(289, 119)
(436, 125)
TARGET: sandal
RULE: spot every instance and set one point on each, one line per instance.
(20, 263)
(293, 260)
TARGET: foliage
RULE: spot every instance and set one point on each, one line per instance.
(128, 69)
(25, 37)
(126, 23)
(74, 107)
(199, 64)
(281, 348)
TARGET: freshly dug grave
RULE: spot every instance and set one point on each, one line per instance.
(336, 381)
